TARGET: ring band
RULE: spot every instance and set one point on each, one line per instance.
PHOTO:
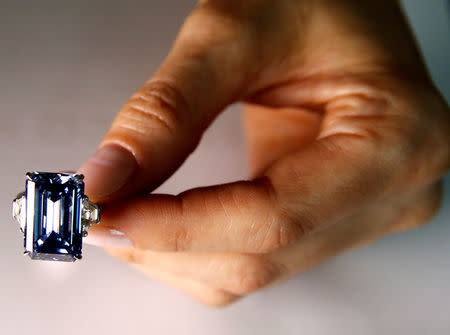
(54, 214)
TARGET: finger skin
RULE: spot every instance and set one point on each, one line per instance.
(242, 216)
(162, 123)
(218, 279)
(238, 274)
(200, 291)
(378, 131)
(302, 193)
(273, 133)
(225, 53)
(207, 295)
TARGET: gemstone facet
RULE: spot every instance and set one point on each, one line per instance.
(54, 216)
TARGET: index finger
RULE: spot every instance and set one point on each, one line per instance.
(299, 195)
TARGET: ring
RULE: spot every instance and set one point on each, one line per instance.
(54, 215)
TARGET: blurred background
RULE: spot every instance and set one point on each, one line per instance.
(66, 67)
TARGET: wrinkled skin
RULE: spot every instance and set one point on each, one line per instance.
(348, 140)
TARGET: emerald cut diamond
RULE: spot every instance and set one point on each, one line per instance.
(54, 215)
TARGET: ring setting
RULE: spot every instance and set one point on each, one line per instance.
(54, 215)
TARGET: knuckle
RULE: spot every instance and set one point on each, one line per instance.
(395, 123)
(421, 209)
(274, 227)
(282, 232)
(432, 155)
(281, 235)
(181, 235)
(174, 233)
(252, 274)
(180, 240)
(422, 144)
(430, 207)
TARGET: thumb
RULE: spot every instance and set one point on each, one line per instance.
(163, 121)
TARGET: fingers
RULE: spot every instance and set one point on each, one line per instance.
(200, 291)
(225, 275)
(239, 274)
(347, 168)
(301, 194)
(276, 132)
(242, 216)
(163, 121)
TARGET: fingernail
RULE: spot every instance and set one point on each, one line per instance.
(108, 170)
(106, 237)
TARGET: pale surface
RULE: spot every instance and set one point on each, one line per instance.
(65, 69)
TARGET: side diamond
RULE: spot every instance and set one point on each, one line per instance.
(90, 215)
(19, 210)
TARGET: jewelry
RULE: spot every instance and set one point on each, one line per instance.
(54, 214)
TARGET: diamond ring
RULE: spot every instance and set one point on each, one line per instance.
(54, 214)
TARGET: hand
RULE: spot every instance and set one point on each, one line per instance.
(348, 139)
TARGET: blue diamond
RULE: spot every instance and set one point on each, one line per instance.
(53, 229)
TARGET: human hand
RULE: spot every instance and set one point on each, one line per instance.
(347, 136)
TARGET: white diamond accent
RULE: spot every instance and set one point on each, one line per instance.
(90, 215)
(19, 210)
